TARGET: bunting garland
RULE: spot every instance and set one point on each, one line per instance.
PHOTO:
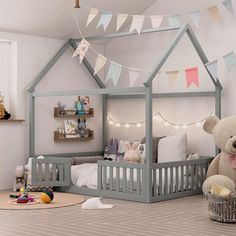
(114, 73)
(105, 20)
(155, 20)
(121, 18)
(192, 76)
(137, 23)
(92, 14)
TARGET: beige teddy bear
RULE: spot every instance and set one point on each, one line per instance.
(222, 169)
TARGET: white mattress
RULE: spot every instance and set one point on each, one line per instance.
(85, 175)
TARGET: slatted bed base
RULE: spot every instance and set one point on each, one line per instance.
(126, 181)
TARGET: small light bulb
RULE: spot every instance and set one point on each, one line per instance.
(166, 123)
(127, 125)
(117, 124)
(198, 124)
(138, 125)
(111, 122)
(155, 117)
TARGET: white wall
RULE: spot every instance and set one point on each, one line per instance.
(33, 54)
(217, 39)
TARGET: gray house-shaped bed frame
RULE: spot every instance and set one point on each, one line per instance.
(147, 182)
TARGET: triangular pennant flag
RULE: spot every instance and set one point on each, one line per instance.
(105, 20)
(114, 72)
(175, 20)
(156, 21)
(121, 18)
(214, 13)
(172, 76)
(100, 62)
(195, 17)
(133, 76)
(213, 69)
(230, 60)
(137, 23)
(92, 14)
(192, 76)
(82, 49)
(229, 6)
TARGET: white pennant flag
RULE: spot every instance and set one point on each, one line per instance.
(195, 17)
(121, 18)
(137, 23)
(92, 14)
(156, 21)
(114, 72)
(133, 76)
(100, 62)
(82, 49)
(213, 69)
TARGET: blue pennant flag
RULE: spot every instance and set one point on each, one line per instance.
(230, 60)
(175, 21)
(105, 20)
(114, 72)
(229, 6)
(213, 69)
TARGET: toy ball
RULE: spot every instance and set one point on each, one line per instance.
(46, 196)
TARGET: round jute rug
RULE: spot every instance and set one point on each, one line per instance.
(60, 200)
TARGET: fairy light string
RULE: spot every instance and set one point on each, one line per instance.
(97, 53)
(157, 116)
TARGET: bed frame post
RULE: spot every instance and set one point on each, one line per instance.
(104, 121)
(149, 158)
(31, 125)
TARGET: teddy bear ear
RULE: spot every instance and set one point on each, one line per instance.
(210, 123)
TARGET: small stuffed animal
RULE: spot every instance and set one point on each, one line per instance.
(132, 155)
(82, 131)
(4, 115)
(222, 169)
(19, 181)
(111, 150)
(61, 108)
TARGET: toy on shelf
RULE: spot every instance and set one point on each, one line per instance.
(4, 115)
(82, 106)
(47, 196)
(61, 108)
(82, 130)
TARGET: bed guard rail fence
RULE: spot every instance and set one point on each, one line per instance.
(176, 179)
(51, 172)
(121, 177)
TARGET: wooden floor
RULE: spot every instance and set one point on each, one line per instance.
(185, 216)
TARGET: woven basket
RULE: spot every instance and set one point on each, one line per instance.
(222, 209)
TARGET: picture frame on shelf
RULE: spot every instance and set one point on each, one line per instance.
(70, 126)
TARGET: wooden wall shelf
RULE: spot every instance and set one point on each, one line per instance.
(58, 115)
(58, 137)
(11, 121)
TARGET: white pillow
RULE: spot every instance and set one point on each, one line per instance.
(172, 148)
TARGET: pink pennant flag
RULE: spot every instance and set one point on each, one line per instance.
(192, 76)
(156, 21)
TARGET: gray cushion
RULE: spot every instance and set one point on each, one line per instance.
(155, 141)
(82, 160)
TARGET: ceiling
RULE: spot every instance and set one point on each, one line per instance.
(55, 18)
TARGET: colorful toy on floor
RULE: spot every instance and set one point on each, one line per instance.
(47, 196)
(23, 199)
